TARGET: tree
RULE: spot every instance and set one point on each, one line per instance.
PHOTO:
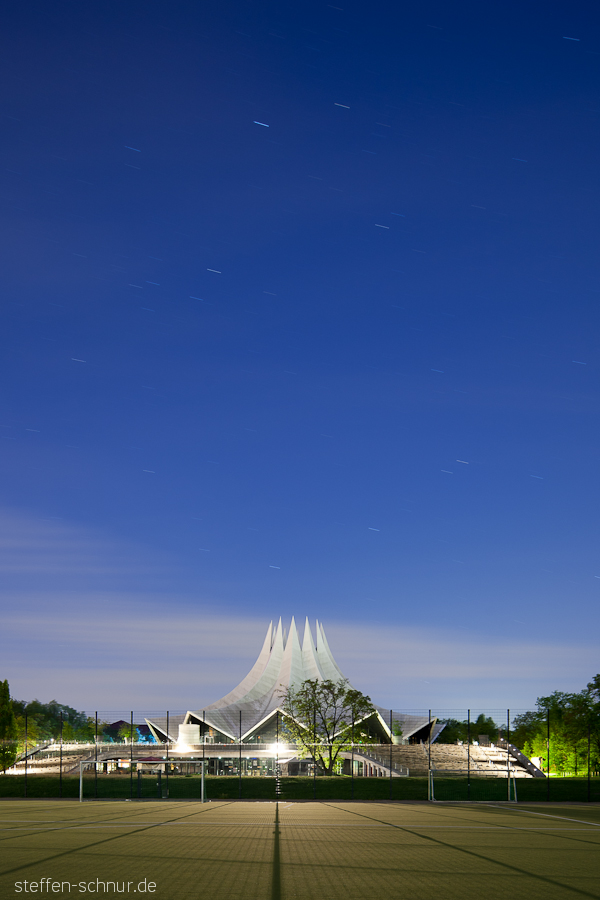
(324, 719)
(455, 730)
(8, 729)
(570, 717)
(397, 728)
(484, 725)
(46, 718)
(573, 718)
(44, 723)
(127, 735)
(525, 730)
(593, 688)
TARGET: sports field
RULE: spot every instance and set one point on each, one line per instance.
(300, 851)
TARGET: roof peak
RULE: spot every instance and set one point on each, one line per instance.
(292, 632)
(282, 663)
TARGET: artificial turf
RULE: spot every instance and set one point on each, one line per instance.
(300, 851)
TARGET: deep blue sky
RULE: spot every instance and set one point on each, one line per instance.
(341, 364)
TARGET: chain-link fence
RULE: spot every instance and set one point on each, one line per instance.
(459, 754)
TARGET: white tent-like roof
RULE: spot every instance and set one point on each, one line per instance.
(283, 662)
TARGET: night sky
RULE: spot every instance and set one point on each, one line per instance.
(299, 317)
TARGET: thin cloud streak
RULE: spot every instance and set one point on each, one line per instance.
(105, 650)
(34, 547)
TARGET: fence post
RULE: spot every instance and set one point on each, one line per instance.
(548, 753)
(277, 785)
(429, 780)
(589, 785)
(25, 754)
(240, 758)
(61, 757)
(429, 741)
(391, 745)
(468, 754)
(167, 762)
(131, 758)
(96, 759)
(352, 761)
(203, 751)
(315, 754)
(507, 750)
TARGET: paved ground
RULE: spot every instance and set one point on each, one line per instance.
(304, 851)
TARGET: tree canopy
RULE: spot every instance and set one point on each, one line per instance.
(324, 719)
(573, 720)
(8, 728)
(48, 721)
(456, 730)
(44, 722)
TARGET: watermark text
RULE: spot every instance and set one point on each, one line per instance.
(50, 886)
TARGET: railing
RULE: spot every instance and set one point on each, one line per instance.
(523, 760)
(31, 751)
(383, 761)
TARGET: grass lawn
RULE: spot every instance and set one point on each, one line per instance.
(187, 787)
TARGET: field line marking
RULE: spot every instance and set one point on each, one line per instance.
(537, 828)
(69, 824)
(115, 837)
(545, 815)
(487, 859)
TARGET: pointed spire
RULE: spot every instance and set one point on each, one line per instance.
(327, 663)
(292, 670)
(307, 640)
(309, 658)
(278, 639)
(280, 665)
